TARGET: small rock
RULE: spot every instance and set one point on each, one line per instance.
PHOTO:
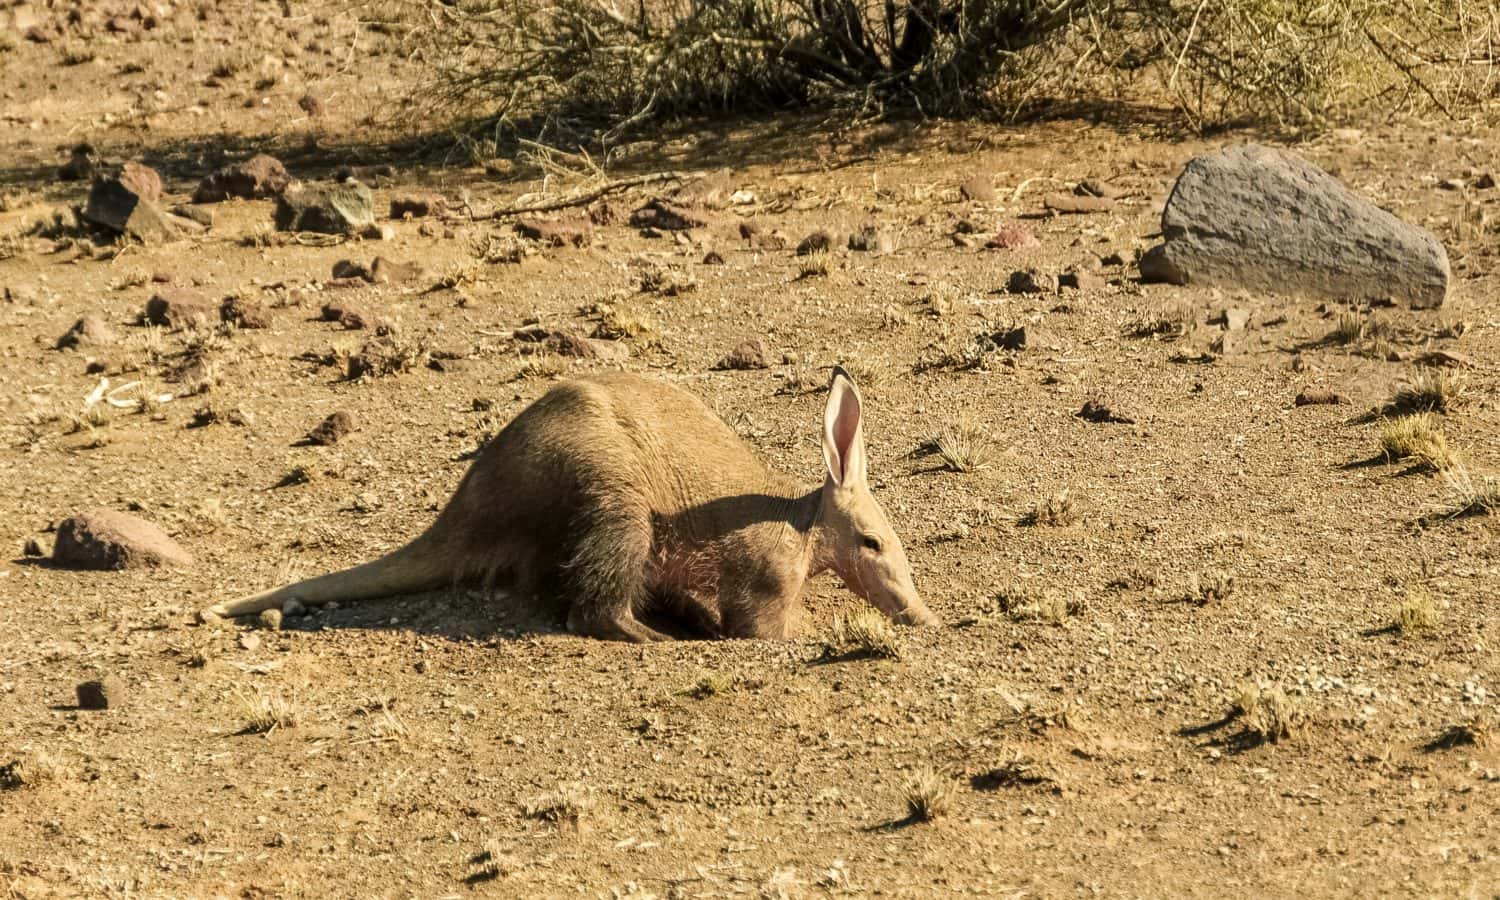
(418, 205)
(1012, 338)
(1158, 268)
(382, 357)
(1031, 281)
(105, 693)
(87, 331)
(82, 165)
(1446, 358)
(1098, 409)
(248, 641)
(1074, 204)
(331, 430)
(107, 539)
(195, 214)
(771, 241)
(1485, 181)
(1317, 397)
(977, 189)
(344, 208)
(33, 548)
(820, 241)
(348, 268)
(577, 232)
(384, 271)
(270, 619)
(258, 178)
(1013, 236)
(571, 343)
(310, 105)
(1081, 280)
(871, 238)
(665, 216)
(349, 316)
(712, 258)
(293, 608)
(177, 307)
(1236, 319)
(245, 312)
(143, 181)
(1093, 187)
(751, 354)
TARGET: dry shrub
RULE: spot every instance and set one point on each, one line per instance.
(1056, 511)
(628, 64)
(566, 807)
(862, 631)
(1429, 390)
(1417, 611)
(962, 446)
(1470, 495)
(1418, 437)
(928, 794)
(1268, 714)
(33, 769)
(265, 712)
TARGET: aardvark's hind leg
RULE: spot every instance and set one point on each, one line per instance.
(605, 581)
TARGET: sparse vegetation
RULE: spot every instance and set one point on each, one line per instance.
(1210, 588)
(1024, 605)
(928, 794)
(862, 631)
(667, 280)
(1429, 390)
(566, 807)
(32, 769)
(1471, 495)
(1417, 611)
(1268, 714)
(1167, 324)
(813, 265)
(1474, 733)
(1055, 511)
(1417, 437)
(264, 712)
(962, 446)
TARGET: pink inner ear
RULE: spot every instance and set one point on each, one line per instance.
(845, 426)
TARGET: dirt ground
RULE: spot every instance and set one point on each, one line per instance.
(1075, 705)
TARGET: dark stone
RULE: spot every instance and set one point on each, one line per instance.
(258, 178)
(331, 430)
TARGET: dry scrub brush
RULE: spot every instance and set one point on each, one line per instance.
(626, 64)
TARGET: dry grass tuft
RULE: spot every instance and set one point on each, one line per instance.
(1022, 605)
(865, 373)
(667, 280)
(1269, 715)
(1429, 390)
(1471, 496)
(566, 807)
(33, 769)
(928, 794)
(616, 323)
(1056, 511)
(1417, 612)
(813, 265)
(264, 712)
(1167, 324)
(1210, 588)
(709, 685)
(864, 632)
(541, 365)
(962, 446)
(1418, 437)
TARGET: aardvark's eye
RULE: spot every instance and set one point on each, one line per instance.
(871, 543)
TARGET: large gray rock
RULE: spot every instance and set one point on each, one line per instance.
(1261, 218)
(344, 208)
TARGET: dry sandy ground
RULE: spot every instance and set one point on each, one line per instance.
(1075, 704)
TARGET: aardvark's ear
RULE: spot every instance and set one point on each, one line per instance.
(843, 431)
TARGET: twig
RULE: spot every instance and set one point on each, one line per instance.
(587, 196)
(1410, 73)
